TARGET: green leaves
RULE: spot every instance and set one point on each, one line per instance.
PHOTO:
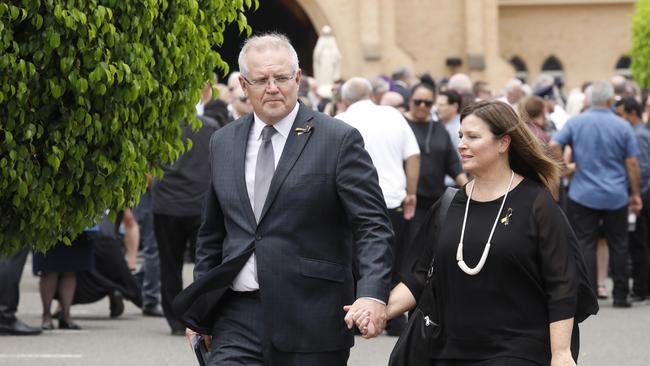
(640, 51)
(91, 97)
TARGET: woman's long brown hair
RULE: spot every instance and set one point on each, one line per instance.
(526, 154)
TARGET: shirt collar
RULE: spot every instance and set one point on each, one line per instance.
(283, 126)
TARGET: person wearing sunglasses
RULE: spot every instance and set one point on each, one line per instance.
(438, 155)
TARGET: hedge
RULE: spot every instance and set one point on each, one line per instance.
(640, 51)
(91, 95)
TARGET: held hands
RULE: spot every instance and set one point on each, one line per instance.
(368, 315)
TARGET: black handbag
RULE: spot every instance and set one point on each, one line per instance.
(415, 344)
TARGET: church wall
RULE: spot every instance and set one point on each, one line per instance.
(375, 36)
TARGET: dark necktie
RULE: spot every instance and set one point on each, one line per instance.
(264, 169)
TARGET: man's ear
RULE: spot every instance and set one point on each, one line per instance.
(243, 84)
(298, 76)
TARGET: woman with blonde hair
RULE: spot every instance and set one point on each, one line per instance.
(510, 283)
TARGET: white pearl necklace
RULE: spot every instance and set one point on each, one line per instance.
(459, 253)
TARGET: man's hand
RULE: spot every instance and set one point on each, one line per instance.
(636, 204)
(409, 206)
(369, 312)
(189, 333)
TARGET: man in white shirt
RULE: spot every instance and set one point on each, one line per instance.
(396, 156)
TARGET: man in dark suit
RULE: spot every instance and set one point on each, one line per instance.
(294, 199)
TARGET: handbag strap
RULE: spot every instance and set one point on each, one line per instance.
(445, 202)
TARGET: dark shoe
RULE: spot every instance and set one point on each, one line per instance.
(116, 304)
(155, 311)
(65, 325)
(395, 327)
(622, 304)
(17, 327)
(178, 332)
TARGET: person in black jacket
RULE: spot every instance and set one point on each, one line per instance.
(511, 284)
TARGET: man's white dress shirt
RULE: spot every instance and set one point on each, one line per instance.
(246, 280)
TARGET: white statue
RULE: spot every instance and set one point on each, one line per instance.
(327, 62)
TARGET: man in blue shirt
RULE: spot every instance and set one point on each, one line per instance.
(630, 110)
(604, 151)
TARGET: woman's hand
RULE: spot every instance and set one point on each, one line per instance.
(563, 358)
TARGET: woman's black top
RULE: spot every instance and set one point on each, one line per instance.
(438, 157)
(530, 279)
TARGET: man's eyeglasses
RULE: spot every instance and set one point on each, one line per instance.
(280, 81)
(427, 103)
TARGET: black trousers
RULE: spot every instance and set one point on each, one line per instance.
(240, 340)
(173, 235)
(639, 250)
(11, 270)
(614, 225)
(396, 216)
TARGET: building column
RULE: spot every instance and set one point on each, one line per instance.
(483, 57)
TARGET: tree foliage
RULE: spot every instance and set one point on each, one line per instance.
(91, 95)
(641, 43)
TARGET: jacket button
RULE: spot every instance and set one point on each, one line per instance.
(258, 237)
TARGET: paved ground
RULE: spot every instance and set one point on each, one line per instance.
(614, 337)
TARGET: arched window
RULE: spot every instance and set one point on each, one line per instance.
(521, 71)
(553, 67)
(623, 66)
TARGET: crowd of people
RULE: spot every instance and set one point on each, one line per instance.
(295, 202)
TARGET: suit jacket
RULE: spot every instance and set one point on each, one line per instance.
(324, 211)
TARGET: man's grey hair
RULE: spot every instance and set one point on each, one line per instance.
(267, 41)
(401, 73)
(356, 89)
(618, 83)
(461, 83)
(512, 84)
(379, 85)
(601, 92)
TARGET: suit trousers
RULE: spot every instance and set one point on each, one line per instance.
(239, 338)
(614, 225)
(173, 234)
(11, 270)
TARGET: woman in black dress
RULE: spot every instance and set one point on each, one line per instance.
(508, 274)
(58, 271)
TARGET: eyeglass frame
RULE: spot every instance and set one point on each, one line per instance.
(265, 83)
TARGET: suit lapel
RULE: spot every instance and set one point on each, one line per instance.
(292, 150)
(241, 142)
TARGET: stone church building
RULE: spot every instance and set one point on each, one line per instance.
(491, 40)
